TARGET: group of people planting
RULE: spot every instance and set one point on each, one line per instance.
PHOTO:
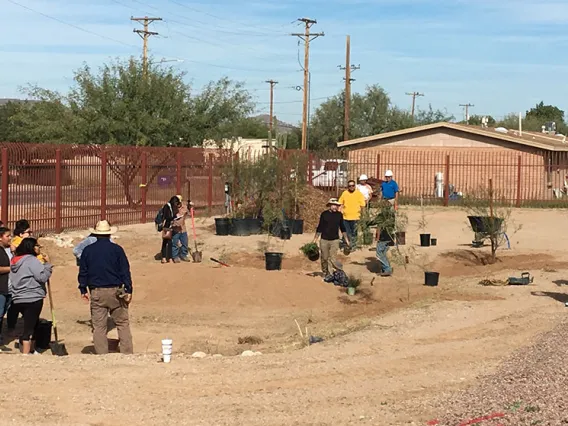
(338, 224)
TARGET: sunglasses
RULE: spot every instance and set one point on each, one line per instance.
(351, 186)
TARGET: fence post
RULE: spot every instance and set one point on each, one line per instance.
(178, 172)
(447, 186)
(519, 182)
(103, 183)
(378, 166)
(58, 227)
(144, 170)
(210, 186)
(310, 169)
(5, 185)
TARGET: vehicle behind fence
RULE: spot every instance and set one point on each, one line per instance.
(60, 187)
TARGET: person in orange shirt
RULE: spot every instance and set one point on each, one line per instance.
(21, 231)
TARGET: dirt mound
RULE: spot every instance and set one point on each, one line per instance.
(312, 204)
(471, 262)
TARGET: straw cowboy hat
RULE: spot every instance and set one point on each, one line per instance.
(180, 198)
(103, 228)
(334, 202)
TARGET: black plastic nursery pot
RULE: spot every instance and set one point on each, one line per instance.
(433, 241)
(222, 226)
(400, 238)
(297, 226)
(314, 256)
(285, 233)
(273, 261)
(43, 334)
(431, 278)
(240, 228)
(254, 226)
(424, 240)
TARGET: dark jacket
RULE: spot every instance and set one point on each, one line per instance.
(4, 278)
(104, 265)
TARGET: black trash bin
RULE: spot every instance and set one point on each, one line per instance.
(273, 261)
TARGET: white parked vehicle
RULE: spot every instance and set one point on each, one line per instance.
(330, 173)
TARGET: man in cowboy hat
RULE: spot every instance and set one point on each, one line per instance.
(104, 272)
(330, 226)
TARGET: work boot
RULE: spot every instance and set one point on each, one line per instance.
(185, 259)
(176, 260)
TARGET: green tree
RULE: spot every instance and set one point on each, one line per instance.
(475, 120)
(372, 112)
(545, 113)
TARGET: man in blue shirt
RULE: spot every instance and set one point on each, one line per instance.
(104, 272)
(389, 189)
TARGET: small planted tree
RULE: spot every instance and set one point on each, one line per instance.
(489, 220)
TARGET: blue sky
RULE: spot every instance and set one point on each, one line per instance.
(500, 55)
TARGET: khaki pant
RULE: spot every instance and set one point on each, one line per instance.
(104, 301)
(329, 251)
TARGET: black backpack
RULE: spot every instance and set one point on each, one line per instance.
(160, 218)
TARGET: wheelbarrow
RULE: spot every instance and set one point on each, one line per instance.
(525, 279)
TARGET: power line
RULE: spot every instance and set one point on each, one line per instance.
(414, 95)
(145, 34)
(348, 80)
(466, 107)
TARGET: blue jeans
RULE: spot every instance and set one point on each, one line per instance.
(351, 229)
(382, 249)
(182, 251)
(5, 300)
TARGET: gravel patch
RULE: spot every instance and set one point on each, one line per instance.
(529, 388)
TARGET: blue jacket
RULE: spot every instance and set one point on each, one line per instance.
(103, 265)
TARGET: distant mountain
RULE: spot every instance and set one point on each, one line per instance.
(281, 126)
(4, 101)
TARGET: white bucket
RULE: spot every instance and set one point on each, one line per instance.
(167, 350)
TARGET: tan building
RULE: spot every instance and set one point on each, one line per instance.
(522, 165)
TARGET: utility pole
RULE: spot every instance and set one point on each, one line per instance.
(270, 124)
(348, 80)
(414, 95)
(306, 37)
(467, 106)
(145, 34)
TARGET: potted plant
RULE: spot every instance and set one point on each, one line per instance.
(352, 284)
(311, 251)
(422, 224)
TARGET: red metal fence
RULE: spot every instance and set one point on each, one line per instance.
(61, 187)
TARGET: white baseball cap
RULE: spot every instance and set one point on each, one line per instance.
(388, 173)
(363, 177)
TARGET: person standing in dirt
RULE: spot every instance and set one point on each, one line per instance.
(364, 188)
(352, 201)
(386, 240)
(390, 190)
(5, 258)
(104, 273)
(330, 225)
(169, 212)
(29, 278)
(180, 239)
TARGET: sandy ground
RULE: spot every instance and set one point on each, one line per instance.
(387, 353)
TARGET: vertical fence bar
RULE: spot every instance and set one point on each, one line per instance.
(103, 183)
(210, 186)
(378, 176)
(519, 182)
(144, 177)
(178, 172)
(310, 169)
(447, 186)
(58, 227)
(5, 185)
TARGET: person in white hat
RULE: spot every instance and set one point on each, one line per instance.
(364, 188)
(105, 281)
(329, 228)
(390, 190)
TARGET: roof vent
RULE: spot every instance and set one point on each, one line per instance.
(501, 130)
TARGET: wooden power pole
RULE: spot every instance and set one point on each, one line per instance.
(348, 80)
(467, 106)
(145, 34)
(271, 118)
(414, 95)
(306, 37)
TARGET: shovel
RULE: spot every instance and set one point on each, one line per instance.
(196, 255)
(57, 348)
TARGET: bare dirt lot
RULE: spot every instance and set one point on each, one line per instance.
(387, 352)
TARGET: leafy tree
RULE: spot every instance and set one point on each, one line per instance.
(372, 112)
(546, 113)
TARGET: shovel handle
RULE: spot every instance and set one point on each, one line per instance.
(52, 311)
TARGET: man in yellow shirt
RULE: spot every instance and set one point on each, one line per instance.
(352, 201)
